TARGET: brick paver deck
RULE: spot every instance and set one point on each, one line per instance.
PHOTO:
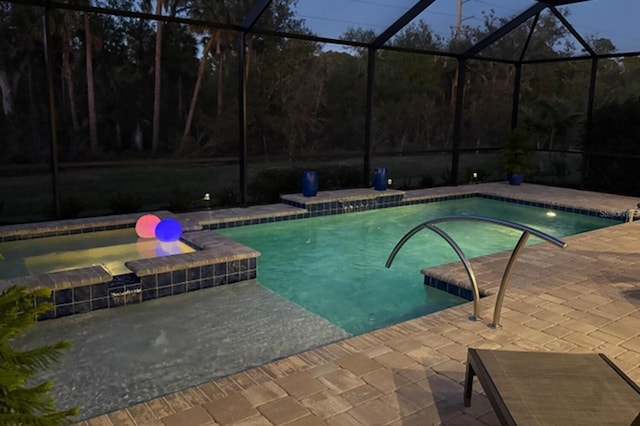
(585, 298)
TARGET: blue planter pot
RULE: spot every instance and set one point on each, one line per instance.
(380, 176)
(309, 184)
(515, 179)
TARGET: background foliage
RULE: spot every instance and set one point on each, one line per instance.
(132, 95)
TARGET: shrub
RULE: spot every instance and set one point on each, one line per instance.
(517, 152)
(339, 177)
(125, 202)
(181, 200)
(21, 401)
(269, 184)
(426, 181)
(71, 207)
(225, 197)
(560, 168)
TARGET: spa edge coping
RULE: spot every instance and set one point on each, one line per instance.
(193, 221)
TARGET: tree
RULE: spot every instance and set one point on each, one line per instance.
(287, 93)
(21, 82)
(157, 73)
(64, 25)
(344, 102)
(91, 101)
(300, 90)
(20, 402)
(196, 91)
(160, 4)
(10, 51)
(221, 13)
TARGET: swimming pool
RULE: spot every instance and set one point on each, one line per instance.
(134, 353)
(334, 265)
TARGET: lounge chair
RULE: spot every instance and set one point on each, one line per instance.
(546, 388)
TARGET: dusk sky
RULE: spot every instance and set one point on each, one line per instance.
(612, 19)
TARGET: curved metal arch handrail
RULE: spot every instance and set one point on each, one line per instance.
(526, 231)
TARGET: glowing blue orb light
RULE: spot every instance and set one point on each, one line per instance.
(168, 230)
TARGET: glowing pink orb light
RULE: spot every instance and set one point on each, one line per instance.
(146, 226)
(168, 230)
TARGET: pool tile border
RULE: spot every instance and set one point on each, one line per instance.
(223, 224)
(450, 287)
(315, 208)
(560, 207)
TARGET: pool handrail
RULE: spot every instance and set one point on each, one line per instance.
(504, 283)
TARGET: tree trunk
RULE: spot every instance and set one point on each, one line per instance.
(452, 106)
(196, 90)
(220, 98)
(156, 90)
(138, 138)
(7, 95)
(91, 101)
(180, 110)
(67, 71)
(247, 62)
(118, 144)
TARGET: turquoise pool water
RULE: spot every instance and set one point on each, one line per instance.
(334, 265)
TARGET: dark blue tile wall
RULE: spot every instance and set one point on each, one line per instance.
(599, 213)
(450, 288)
(129, 289)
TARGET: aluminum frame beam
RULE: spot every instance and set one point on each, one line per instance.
(504, 30)
(255, 12)
(560, 2)
(401, 22)
(141, 15)
(573, 31)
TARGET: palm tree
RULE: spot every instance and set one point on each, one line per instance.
(196, 91)
(160, 5)
(221, 38)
